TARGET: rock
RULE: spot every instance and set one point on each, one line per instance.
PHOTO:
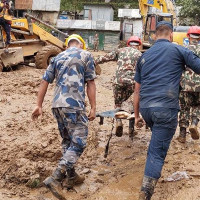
(86, 171)
(103, 172)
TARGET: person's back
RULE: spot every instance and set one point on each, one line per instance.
(161, 69)
(72, 69)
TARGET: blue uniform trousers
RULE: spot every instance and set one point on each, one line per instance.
(163, 123)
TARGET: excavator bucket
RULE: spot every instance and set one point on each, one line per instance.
(12, 57)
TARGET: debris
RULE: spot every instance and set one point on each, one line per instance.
(176, 176)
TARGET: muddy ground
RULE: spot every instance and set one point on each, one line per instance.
(29, 150)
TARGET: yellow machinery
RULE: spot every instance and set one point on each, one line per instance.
(153, 11)
(29, 40)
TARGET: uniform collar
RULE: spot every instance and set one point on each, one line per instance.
(162, 40)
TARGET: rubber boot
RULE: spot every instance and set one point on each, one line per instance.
(193, 128)
(119, 128)
(72, 179)
(148, 186)
(132, 133)
(182, 135)
(53, 183)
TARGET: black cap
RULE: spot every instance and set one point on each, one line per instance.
(166, 23)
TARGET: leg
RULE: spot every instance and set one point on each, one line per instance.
(54, 181)
(7, 29)
(184, 117)
(195, 113)
(77, 128)
(163, 124)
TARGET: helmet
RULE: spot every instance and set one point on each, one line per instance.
(193, 30)
(75, 37)
(134, 39)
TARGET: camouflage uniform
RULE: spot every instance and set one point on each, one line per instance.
(190, 93)
(96, 43)
(71, 69)
(123, 86)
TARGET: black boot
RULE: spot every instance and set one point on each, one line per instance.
(53, 183)
(193, 128)
(72, 178)
(182, 135)
(119, 128)
(148, 186)
(132, 132)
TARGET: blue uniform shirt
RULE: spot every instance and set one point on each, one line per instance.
(71, 69)
(159, 71)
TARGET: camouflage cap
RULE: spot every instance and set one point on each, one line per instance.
(166, 23)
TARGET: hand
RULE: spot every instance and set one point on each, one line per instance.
(92, 114)
(139, 122)
(36, 113)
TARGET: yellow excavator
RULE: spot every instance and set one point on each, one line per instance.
(29, 40)
(153, 11)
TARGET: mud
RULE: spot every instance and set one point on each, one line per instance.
(29, 150)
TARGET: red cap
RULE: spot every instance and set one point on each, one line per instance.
(193, 30)
(134, 39)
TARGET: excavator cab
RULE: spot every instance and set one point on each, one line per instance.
(150, 27)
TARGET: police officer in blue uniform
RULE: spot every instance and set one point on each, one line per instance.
(156, 97)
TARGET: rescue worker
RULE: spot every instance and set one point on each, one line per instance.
(156, 96)
(96, 42)
(190, 92)
(6, 12)
(72, 69)
(123, 86)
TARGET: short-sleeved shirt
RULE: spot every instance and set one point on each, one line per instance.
(159, 71)
(71, 69)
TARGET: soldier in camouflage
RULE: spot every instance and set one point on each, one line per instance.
(123, 85)
(190, 92)
(96, 42)
(72, 70)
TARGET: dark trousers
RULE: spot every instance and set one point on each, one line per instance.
(163, 123)
(7, 27)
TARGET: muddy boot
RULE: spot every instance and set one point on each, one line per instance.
(132, 133)
(148, 186)
(53, 183)
(119, 128)
(193, 128)
(72, 179)
(182, 135)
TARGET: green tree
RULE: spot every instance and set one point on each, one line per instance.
(190, 12)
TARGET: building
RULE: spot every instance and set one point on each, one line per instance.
(47, 10)
(108, 31)
(98, 12)
(131, 22)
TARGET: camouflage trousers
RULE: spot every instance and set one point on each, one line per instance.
(122, 93)
(190, 106)
(96, 46)
(73, 128)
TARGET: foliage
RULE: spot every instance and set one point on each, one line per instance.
(77, 5)
(190, 12)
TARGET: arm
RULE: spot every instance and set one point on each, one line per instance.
(112, 56)
(40, 98)
(191, 60)
(91, 92)
(138, 120)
